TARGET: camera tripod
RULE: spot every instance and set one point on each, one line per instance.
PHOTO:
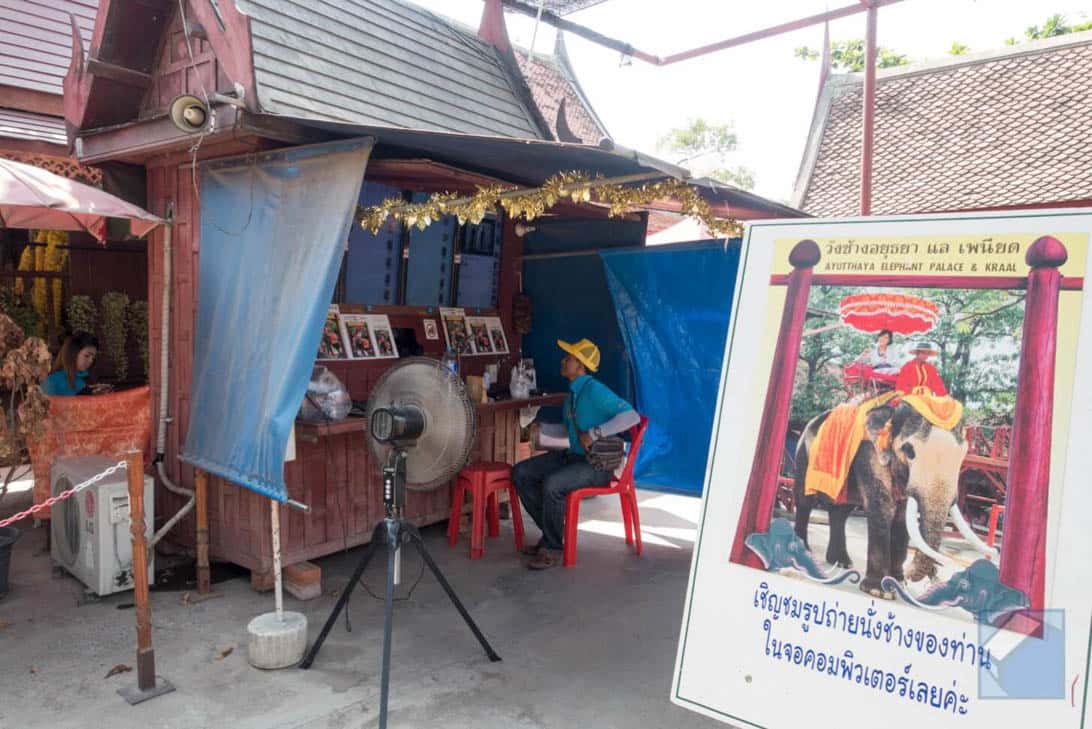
(393, 532)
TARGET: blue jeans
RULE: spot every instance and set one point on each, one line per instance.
(544, 482)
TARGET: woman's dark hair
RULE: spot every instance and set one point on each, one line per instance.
(889, 333)
(70, 350)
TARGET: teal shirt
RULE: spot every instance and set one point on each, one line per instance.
(57, 383)
(595, 404)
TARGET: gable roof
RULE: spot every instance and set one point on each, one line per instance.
(36, 41)
(1005, 128)
(381, 62)
(557, 93)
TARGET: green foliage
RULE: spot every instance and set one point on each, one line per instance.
(115, 308)
(21, 311)
(978, 333)
(138, 325)
(1055, 25)
(958, 49)
(849, 55)
(700, 138)
(82, 314)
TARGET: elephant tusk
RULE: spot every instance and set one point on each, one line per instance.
(914, 530)
(968, 533)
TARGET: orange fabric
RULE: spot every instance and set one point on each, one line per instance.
(835, 446)
(944, 412)
(88, 425)
(916, 374)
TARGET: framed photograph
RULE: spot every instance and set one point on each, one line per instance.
(432, 332)
(922, 382)
(455, 330)
(496, 334)
(358, 333)
(385, 346)
(332, 345)
(479, 334)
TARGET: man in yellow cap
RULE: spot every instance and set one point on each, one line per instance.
(591, 411)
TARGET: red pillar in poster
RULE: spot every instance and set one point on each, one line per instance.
(1023, 547)
(762, 486)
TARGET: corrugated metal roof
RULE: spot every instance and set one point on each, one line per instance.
(32, 127)
(380, 62)
(36, 40)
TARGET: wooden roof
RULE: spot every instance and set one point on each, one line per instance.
(381, 62)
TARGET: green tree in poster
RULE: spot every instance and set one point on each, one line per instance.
(978, 333)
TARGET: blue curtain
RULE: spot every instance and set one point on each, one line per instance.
(673, 305)
(273, 231)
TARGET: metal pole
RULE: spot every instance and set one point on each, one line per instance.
(869, 108)
(534, 33)
(201, 484)
(278, 596)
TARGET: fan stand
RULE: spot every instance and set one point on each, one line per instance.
(393, 531)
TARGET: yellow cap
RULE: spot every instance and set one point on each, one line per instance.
(585, 352)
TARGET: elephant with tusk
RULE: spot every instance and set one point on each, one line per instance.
(905, 476)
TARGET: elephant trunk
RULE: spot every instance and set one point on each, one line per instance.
(933, 527)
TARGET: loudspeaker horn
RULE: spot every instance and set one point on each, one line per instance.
(189, 113)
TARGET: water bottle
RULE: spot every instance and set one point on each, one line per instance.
(451, 361)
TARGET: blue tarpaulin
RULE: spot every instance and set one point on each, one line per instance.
(273, 231)
(673, 305)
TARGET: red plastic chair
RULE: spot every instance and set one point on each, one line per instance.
(483, 481)
(627, 493)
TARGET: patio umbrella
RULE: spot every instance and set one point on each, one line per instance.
(34, 198)
(902, 314)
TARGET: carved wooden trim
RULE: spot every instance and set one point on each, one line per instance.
(63, 166)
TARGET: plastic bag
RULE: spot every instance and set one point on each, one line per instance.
(326, 398)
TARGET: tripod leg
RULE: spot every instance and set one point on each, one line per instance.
(420, 544)
(380, 533)
(394, 537)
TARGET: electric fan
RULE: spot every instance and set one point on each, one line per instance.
(422, 429)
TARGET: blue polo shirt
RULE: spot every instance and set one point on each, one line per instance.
(595, 404)
(57, 383)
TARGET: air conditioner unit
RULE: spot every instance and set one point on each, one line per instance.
(91, 537)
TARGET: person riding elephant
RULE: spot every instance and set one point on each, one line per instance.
(904, 474)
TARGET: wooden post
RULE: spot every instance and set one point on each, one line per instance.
(868, 111)
(1023, 546)
(762, 485)
(201, 487)
(145, 654)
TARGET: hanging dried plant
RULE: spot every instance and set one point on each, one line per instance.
(115, 309)
(82, 314)
(24, 362)
(138, 325)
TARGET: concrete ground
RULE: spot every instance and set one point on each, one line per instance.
(590, 646)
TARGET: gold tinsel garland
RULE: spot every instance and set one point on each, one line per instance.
(531, 204)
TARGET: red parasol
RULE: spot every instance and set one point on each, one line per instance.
(873, 312)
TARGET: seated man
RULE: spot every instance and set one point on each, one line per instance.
(591, 411)
(918, 373)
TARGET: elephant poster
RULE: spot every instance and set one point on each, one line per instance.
(896, 475)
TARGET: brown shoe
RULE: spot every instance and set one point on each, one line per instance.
(533, 550)
(546, 559)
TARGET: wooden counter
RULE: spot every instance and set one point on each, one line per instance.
(336, 476)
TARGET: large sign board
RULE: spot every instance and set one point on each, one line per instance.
(895, 520)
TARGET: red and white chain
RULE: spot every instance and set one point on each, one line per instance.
(64, 494)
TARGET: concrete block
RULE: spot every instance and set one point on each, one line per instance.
(276, 643)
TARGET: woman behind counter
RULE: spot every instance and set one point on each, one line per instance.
(73, 366)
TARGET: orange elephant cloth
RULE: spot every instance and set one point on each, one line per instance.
(835, 446)
(110, 425)
(942, 411)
